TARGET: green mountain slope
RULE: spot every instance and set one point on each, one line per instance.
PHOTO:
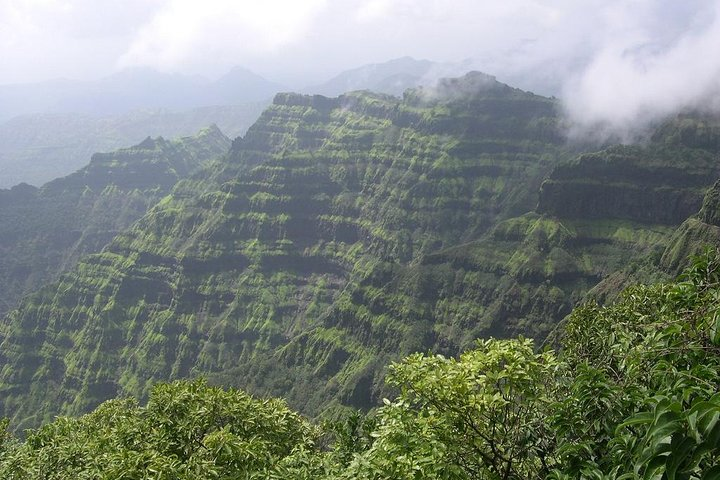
(522, 277)
(631, 393)
(695, 232)
(340, 234)
(247, 256)
(43, 231)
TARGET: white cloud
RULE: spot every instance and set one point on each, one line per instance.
(200, 35)
(639, 75)
(43, 39)
(618, 60)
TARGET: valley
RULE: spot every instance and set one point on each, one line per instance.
(341, 234)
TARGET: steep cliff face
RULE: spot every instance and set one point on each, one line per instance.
(663, 181)
(341, 233)
(43, 231)
(522, 277)
(244, 260)
(659, 183)
(695, 233)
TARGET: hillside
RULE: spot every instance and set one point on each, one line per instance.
(44, 231)
(632, 393)
(344, 233)
(248, 256)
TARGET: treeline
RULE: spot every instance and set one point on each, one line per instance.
(630, 392)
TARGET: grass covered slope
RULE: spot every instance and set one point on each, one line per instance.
(249, 254)
(521, 277)
(699, 230)
(44, 231)
(632, 394)
(342, 234)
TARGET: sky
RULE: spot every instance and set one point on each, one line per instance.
(600, 55)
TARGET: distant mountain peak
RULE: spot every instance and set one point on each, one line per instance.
(150, 143)
(472, 84)
(211, 130)
(392, 77)
(468, 84)
(213, 134)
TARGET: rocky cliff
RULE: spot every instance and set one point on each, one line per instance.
(342, 233)
(44, 231)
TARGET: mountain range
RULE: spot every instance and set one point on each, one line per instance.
(48, 130)
(44, 231)
(132, 89)
(340, 234)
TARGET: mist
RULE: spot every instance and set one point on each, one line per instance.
(636, 79)
(617, 65)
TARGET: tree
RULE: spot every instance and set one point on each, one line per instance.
(483, 415)
(188, 430)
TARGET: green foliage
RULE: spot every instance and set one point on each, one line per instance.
(188, 430)
(481, 416)
(649, 370)
(632, 394)
(5, 435)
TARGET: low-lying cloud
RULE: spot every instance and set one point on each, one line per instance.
(640, 76)
(617, 64)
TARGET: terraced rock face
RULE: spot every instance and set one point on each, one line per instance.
(338, 235)
(43, 231)
(657, 183)
(695, 233)
(527, 272)
(234, 274)
(664, 183)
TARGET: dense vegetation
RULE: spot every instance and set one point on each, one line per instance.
(342, 234)
(249, 254)
(631, 394)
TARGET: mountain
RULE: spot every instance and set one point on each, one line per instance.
(602, 222)
(44, 231)
(133, 89)
(60, 124)
(238, 86)
(48, 129)
(237, 270)
(343, 233)
(37, 148)
(628, 378)
(392, 77)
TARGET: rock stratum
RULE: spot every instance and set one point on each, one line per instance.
(343, 233)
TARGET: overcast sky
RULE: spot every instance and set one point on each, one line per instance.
(311, 39)
(619, 47)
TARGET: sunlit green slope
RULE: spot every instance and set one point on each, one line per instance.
(340, 234)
